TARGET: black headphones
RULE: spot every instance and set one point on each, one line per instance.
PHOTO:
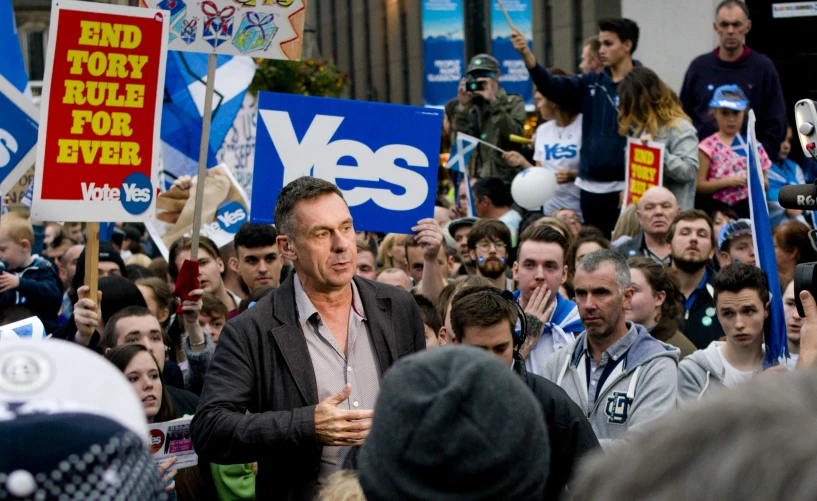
(518, 339)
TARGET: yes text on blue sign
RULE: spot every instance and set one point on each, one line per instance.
(18, 135)
(383, 157)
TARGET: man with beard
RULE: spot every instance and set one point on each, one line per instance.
(656, 209)
(488, 244)
(692, 245)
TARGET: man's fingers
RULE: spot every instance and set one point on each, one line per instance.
(809, 307)
(340, 396)
(356, 415)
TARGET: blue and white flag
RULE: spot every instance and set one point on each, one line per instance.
(464, 146)
(185, 82)
(776, 343)
(461, 151)
(12, 67)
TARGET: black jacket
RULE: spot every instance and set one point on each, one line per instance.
(262, 364)
(700, 324)
(569, 432)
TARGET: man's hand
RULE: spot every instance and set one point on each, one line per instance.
(463, 96)
(456, 212)
(430, 237)
(808, 333)
(489, 89)
(335, 426)
(520, 43)
(8, 281)
(86, 314)
(516, 159)
(540, 312)
(565, 176)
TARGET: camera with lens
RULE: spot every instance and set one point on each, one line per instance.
(804, 197)
(473, 85)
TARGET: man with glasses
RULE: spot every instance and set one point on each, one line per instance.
(488, 243)
(732, 62)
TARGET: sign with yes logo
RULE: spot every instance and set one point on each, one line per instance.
(383, 157)
(18, 135)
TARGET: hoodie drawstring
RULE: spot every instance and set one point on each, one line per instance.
(701, 394)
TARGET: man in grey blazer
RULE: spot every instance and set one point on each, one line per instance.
(294, 379)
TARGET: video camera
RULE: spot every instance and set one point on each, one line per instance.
(804, 197)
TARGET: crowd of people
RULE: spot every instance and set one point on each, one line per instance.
(558, 345)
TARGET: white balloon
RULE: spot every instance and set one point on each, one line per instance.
(532, 187)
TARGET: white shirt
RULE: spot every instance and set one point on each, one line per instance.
(734, 377)
(558, 148)
(512, 219)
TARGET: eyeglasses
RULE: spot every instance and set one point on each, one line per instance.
(485, 245)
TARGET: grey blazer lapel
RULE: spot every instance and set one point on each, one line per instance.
(289, 339)
(379, 315)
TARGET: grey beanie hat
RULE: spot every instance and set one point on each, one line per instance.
(454, 423)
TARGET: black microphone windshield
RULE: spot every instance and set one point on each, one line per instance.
(798, 197)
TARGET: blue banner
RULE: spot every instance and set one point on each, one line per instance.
(18, 135)
(443, 50)
(514, 77)
(383, 157)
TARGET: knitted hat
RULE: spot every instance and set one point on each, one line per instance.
(454, 423)
(70, 423)
(106, 253)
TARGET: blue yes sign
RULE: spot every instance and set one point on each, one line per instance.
(383, 157)
(18, 135)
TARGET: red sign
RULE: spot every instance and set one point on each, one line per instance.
(100, 113)
(644, 165)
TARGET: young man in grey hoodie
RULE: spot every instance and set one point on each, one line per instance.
(742, 306)
(618, 374)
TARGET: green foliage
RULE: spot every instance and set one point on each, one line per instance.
(311, 77)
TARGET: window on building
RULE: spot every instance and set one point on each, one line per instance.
(35, 48)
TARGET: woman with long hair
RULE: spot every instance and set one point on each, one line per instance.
(657, 303)
(792, 246)
(650, 111)
(145, 376)
(556, 147)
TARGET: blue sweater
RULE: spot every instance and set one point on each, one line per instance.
(595, 95)
(40, 289)
(756, 75)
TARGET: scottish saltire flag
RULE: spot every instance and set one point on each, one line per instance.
(12, 66)
(183, 108)
(464, 146)
(776, 343)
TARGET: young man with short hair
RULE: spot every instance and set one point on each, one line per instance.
(742, 303)
(136, 324)
(692, 245)
(482, 317)
(540, 270)
(489, 242)
(735, 243)
(601, 174)
(366, 262)
(622, 377)
(258, 260)
(591, 61)
(493, 200)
